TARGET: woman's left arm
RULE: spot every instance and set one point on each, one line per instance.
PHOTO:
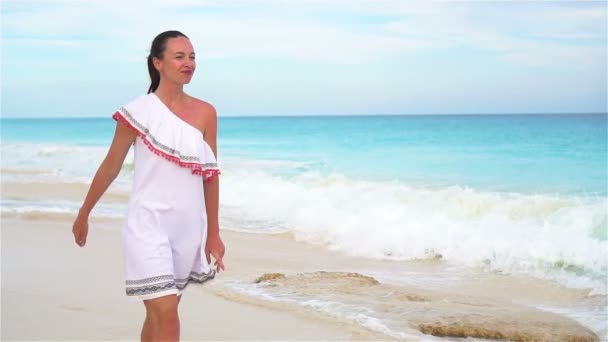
(214, 246)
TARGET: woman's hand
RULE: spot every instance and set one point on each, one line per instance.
(80, 229)
(215, 247)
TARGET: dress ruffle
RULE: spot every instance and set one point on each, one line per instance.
(169, 136)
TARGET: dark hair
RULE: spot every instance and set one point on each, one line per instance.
(158, 48)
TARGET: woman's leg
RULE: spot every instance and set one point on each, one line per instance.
(162, 321)
(149, 332)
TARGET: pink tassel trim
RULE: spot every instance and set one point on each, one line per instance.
(207, 174)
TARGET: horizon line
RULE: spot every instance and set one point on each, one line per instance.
(325, 115)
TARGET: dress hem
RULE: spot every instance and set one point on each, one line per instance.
(176, 286)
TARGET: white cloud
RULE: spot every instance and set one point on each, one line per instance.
(288, 30)
(542, 36)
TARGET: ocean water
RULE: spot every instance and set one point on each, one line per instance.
(515, 194)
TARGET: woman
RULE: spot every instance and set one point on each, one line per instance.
(171, 229)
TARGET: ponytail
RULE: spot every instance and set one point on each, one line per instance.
(154, 75)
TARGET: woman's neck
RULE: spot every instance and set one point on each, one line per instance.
(170, 94)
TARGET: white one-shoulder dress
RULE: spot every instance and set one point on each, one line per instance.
(165, 230)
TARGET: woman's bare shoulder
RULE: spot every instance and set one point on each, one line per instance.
(206, 116)
(203, 108)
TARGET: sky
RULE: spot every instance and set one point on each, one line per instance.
(77, 58)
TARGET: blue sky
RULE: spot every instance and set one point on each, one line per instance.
(86, 58)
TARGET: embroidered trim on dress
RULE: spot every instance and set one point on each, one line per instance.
(149, 280)
(147, 286)
(194, 277)
(207, 170)
(144, 290)
(164, 283)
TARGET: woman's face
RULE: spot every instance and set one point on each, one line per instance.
(178, 63)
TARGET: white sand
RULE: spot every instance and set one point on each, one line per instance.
(53, 290)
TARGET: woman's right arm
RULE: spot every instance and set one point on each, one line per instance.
(106, 173)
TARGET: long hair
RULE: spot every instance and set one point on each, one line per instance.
(158, 48)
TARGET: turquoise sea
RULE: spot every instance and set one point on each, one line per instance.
(520, 194)
(550, 154)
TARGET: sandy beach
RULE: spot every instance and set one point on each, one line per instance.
(56, 291)
(271, 290)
